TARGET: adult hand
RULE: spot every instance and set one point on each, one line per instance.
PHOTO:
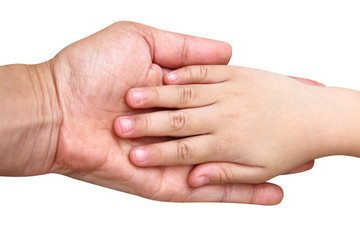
(92, 77)
(61, 113)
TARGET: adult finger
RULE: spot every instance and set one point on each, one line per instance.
(174, 50)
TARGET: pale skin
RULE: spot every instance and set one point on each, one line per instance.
(58, 116)
(240, 125)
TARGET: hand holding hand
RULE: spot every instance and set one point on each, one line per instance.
(241, 125)
(92, 77)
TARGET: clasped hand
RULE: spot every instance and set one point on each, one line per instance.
(99, 112)
(239, 125)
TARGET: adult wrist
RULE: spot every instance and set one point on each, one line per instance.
(31, 121)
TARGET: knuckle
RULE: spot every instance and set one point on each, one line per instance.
(178, 120)
(227, 193)
(199, 72)
(156, 95)
(126, 25)
(202, 72)
(156, 153)
(226, 175)
(189, 72)
(143, 122)
(185, 50)
(224, 146)
(186, 95)
(185, 150)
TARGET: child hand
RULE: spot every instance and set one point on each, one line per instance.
(257, 124)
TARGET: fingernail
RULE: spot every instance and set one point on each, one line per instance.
(201, 181)
(172, 77)
(138, 96)
(140, 156)
(126, 124)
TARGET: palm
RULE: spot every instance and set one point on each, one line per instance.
(93, 76)
(97, 72)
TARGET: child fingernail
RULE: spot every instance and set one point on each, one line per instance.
(125, 124)
(140, 156)
(172, 77)
(138, 96)
(201, 181)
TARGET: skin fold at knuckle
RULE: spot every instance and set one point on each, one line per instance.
(141, 123)
(188, 72)
(178, 120)
(186, 95)
(156, 96)
(225, 175)
(196, 72)
(185, 151)
(202, 72)
(185, 48)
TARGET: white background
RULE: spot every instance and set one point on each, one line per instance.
(313, 39)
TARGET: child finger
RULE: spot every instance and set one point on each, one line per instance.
(198, 74)
(180, 123)
(308, 81)
(225, 172)
(262, 194)
(187, 151)
(305, 167)
(171, 96)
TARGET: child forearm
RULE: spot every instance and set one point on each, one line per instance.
(344, 121)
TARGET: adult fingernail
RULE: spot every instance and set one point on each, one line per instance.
(140, 156)
(138, 96)
(172, 77)
(201, 181)
(125, 124)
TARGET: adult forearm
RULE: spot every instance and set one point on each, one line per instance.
(29, 121)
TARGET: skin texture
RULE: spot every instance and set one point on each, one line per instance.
(29, 121)
(92, 77)
(238, 124)
(61, 113)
